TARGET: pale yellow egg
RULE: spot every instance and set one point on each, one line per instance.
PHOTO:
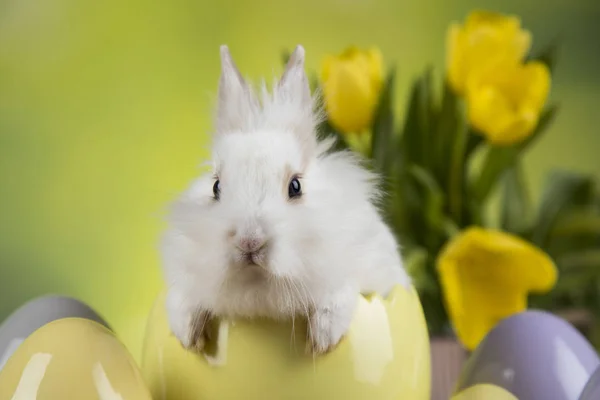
(72, 358)
(385, 355)
(484, 391)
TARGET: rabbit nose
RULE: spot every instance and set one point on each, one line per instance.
(250, 236)
(251, 244)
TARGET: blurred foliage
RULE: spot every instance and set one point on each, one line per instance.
(433, 192)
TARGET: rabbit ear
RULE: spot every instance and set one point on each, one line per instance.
(292, 94)
(294, 82)
(237, 103)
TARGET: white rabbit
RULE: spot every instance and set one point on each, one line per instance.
(282, 227)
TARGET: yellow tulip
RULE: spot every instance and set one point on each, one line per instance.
(506, 107)
(351, 83)
(486, 276)
(486, 43)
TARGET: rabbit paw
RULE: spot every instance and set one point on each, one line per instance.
(188, 324)
(328, 325)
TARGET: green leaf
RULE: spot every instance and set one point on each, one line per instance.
(548, 56)
(563, 191)
(417, 129)
(498, 159)
(416, 266)
(457, 169)
(473, 211)
(455, 142)
(577, 222)
(382, 151)
(411, 133)
(559, 246)
(516, 205)
(576, 279)
(574, 230)
(434, 309)
(445, 131)
(408, 213)
(474, 140)
(427, 116)
(586, 262)
(433, 196)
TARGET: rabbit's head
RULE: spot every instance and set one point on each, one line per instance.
(279, 206)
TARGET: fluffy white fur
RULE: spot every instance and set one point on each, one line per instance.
(321, 250)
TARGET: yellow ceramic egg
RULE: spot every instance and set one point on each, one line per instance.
(484, 392)
(385, 355)
(72, 358)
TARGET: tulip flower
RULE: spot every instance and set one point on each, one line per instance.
(486, 276)
(506, 107)
(485, 61)
(352, 82)
(486, 43)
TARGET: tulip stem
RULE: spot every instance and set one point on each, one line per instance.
(450, 228)
(455, 181)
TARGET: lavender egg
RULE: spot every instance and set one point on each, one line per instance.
(592, 389)
(533, 355)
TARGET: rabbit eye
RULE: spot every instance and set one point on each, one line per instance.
(217, 189)
(294, 189)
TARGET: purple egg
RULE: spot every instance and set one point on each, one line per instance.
(534, 355)
(592, 389)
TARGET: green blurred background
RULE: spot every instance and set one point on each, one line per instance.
(105, 112)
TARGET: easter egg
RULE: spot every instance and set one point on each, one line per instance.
(591, 391)
(484, 391)
(72, 358)
(533, 355)
(384, 355)
(35, 314)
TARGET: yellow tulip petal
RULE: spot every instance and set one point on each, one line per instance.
(351, 83)
(538, 274)
(506, 106)
(490, 112)
(485, 45)
(486, 276)
(326, 66)
(375, 63)
(522, 125)
(521, 44)
(530, 85)
(350, 53)
(507, 28)
(349, 98)
(477, 18)
(454, 57)
(502, 125)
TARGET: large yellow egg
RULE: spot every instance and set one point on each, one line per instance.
(72, 358)
(484, 392)
(385, 355)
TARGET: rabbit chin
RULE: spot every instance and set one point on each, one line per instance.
(250, 269)
(254, 291)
